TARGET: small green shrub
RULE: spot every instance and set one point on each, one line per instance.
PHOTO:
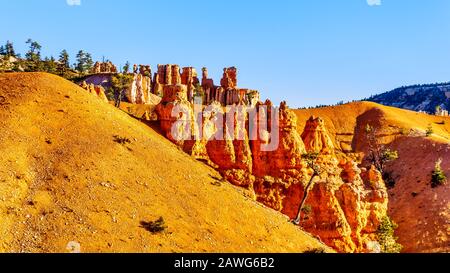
(307, 209)
(121, 140)
(389, 155)
(429, 130)
(438, 177)
(154, 227)
(386, 237)
(315, 251)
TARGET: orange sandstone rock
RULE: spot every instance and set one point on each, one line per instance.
(289, 145)
(96, 90)
(106, 67)
(229, 79)
(350, 171)
(316, 138)
(345, 204)
(344, 210)
(140, 89)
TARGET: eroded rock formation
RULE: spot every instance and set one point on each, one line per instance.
(202, 90)
(189, 76)
(207, 83)
(316, 138)
(229, 78)
(256, 146)
(96, 90)
(285, 160)
(140, 89)
(169, 74)
(226, 94)
(345, 203)
(104, 67)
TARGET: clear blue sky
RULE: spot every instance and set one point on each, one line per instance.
(307, 52)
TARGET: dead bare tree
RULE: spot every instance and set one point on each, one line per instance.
(311, 160)
(379, 155)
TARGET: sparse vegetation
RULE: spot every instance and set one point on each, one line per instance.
(8, 50)
(315, 251)
(84, 62)
(307, 209)
(120, 83)
(33, 56)
(121, 140)
(386, 237)
(429, 130)
(155, 227)
(413, 97)
(311, 161)
(35, 62)
(126, 68)
(64, 63)
(379, 155)
(438, 177)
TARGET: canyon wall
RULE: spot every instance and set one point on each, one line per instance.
(345, 205)
(262, 151)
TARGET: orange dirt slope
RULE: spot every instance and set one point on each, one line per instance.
(423, 213)
(73, 168)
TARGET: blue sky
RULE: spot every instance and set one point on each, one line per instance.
(307, 52)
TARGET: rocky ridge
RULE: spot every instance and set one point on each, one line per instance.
(346, 203)
(263, 152)
(170, 75)
(424, 98)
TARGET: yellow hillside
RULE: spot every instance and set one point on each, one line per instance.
(73, 168)
(343, 120)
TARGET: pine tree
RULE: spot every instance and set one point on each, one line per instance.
(89, 63)
(9, 49)
(34, 53)
(80, 61)
(84, 62)
(120, 83)
(438, 177)
(50, 65)
(126, 68)
(64, 63)
(33, 56)
(64, 58)
(386, 236)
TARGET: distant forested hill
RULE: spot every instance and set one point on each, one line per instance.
(417, 97)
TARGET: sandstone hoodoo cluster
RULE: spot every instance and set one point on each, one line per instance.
(104, 67)
(345, 203)
(171, 77)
